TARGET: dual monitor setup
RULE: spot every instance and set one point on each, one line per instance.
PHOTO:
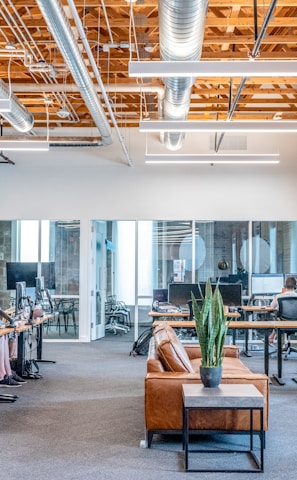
(29, 287)
(179, 294)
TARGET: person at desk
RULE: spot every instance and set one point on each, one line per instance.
(8, 377)
(288, 290)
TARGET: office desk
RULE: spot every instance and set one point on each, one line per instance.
(171, 315)
(251, 309)
(255, 309)
(65, 297)
(20, 329)
(265, 325)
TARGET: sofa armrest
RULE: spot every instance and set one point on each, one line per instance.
(153, 363)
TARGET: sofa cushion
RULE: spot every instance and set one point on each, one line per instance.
(171, 351)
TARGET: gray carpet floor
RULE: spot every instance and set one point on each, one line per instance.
(84, 420)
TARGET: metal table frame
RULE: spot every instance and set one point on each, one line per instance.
(259, 462)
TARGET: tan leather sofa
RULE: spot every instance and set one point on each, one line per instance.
(170, 364)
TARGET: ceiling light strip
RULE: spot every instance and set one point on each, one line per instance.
(209, 155)
(192, 159)
(24, 145)
(213, 161)
(217, 126)
(217, 68)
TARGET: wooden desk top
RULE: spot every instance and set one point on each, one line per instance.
(169, 314)
(257, 324)
(186, 314)
(254, 308)
(23, 327)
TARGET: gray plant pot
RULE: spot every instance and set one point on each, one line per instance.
(211, 376)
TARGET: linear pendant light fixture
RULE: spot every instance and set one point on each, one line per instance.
(24, 144)
(212, 159)
(217, 126)
(231, 68)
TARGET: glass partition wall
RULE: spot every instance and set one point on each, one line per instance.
(136, 257)
(153, 254)
(53, 248)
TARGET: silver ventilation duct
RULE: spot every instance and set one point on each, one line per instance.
(19, 117)
(60, 28)
(181, 25)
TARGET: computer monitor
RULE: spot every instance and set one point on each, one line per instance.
(231, 293)
(160, 294)
(181, 293)
(20, 272)
(39, 289)
(20, 297)
(267, 284)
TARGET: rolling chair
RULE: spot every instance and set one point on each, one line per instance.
(115, 317)
(287, 311)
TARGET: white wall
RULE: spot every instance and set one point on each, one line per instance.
(97, 183)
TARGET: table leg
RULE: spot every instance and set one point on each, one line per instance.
(246, 343)
(39, 345)
(279, 354)
(186, 436)
(246, 338)
(20, 357)
(279, 359)
(266, 352)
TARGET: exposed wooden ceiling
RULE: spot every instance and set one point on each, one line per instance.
(111, 26)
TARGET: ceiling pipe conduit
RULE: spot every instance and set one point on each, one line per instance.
(181, 30)
(19, 117)
(254, 53)
(60, 28)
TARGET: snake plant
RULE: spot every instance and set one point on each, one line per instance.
(211, 325)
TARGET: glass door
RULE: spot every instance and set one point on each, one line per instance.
(99, 277)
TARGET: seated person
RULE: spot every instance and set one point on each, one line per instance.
(8, 378)
(289, 290)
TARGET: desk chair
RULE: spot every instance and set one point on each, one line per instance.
(115, 318)
(68, 309)
(288, 311)
(53, 310)
(190, 303)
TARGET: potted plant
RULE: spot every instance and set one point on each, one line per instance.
(211, 327)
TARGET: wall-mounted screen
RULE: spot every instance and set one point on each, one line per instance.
(180, 293)
(20, 272)
(27, 272)
(267, 284)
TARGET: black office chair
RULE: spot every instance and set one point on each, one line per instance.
(190, 303)
(288, 311)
